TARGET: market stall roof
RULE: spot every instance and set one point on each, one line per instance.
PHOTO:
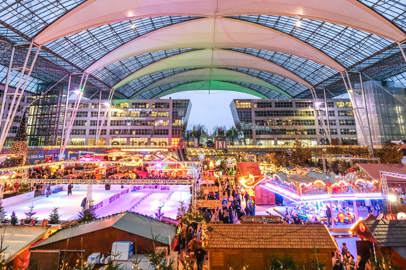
(373, 170)
(388, 233)
(129, 222)
(18, 238)
(269, 236)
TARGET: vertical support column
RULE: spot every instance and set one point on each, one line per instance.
(106, 114)
(170, 124)
(254, 126)
(89, 195)
(22, 83)
(371, 148)
(318, 114)
(356, 109)
(402, 51)
(356, 214)
(66, 110)
(96, 139)
(66, 135)
(327, 115)
(5, 93)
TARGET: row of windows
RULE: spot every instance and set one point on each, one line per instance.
(292, 122)
(139, 114)
(333, 131)
(142, 105)
(286, 132)
(123, 132)
(114, 123)
(283, 113)
(289, 104)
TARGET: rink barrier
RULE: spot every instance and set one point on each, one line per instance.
(148, 181)
(151, 187)
(26, 196)
(109, 200)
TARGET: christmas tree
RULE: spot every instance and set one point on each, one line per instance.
(29, 216)
(86, 215)
(2, 212)
(13, 219)
(54, 216)
(20, 146)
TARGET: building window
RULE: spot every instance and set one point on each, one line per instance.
(348, 131)
(243, 104)
(283, 104)
(81, 114)
(345, 113)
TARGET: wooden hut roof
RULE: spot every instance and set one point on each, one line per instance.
(388, 233)
(129, 222)
(281, 236)
(373, 170)
(17, 238)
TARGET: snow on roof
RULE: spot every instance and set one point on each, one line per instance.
(17, 238)
(129, 222)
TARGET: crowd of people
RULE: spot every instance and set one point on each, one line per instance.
(114, 172)
(343, 260)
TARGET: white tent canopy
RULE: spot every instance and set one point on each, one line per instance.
(213, 58)
(216, 33)
(94, 13)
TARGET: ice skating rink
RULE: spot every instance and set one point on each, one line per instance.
(143, 199)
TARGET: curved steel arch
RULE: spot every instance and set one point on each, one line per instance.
(204, 85)
(213, 58)
(95, 13)
(230, 33)
(212, 85)
(214, 74)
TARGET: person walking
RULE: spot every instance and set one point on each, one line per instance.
(70, 187)
(328, 215)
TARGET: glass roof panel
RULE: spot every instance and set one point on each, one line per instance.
(84, 48)
(30, 17)
(394, 10)
(346, 45)
(286, 84)
(116, 72)
(136, 86)
(399, 80)
(32, 86)
(263, 90)
(310, 71)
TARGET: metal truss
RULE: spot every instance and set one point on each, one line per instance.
(359, 109)
(102, 115)
(318, 115)
(24, 71)
(70, 117)
(402, 50)
(385, 188)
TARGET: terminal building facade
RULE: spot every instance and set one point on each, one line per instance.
(283, 122)
(155, 122)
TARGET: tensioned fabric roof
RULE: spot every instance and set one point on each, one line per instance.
(276, 48)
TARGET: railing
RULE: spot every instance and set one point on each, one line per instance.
(77, 162)
(147, 181)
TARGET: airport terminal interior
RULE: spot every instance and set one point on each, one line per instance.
(114, 156)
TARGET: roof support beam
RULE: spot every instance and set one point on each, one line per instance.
(216, 74)
(211, 85)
